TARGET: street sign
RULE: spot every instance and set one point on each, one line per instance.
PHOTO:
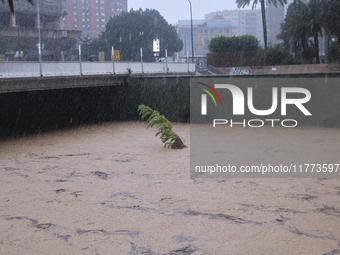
(101, 56)
(42, 46)
(116, 55)
(156, 45)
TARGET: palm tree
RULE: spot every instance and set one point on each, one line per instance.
(315, 18)
(331, 9)
(306, 20)
(243, 3)
(295, 31)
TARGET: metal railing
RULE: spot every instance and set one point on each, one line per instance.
(31, 69)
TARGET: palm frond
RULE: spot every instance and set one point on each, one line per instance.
(164, 126)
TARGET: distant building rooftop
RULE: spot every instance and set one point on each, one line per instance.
(217, 23)
(187, 22)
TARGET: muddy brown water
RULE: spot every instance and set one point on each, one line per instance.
(114, 189)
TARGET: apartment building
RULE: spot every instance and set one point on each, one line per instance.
(243, 22)
(91, 16)
(274, 17)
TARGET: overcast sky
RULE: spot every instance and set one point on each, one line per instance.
(174, 10)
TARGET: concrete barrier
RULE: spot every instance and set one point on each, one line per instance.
(32, 69)
(286, 69)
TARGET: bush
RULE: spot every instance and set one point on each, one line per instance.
(334, 51)
(3, 45)
(278, 55)
(233, 44)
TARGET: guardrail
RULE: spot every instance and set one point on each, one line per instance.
(31, 69)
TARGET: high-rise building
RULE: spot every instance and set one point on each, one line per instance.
(274, 17)
(91, 16)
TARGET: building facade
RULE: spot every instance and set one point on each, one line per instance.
(243, 22)
(208, 30)
(20, 31)
(51, 14)
(274, 17)
(220, 23)
(91, 16)
(203, 31)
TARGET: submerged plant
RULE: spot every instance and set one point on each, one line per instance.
(168, 137)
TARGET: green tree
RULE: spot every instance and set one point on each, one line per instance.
(331, 10)
(88, 47)
(60, 44)
(3, 45)
(307, 20)
(11, 4)
(278, 55)
(334, 51)
(295, 31)
(232, 44)
(130, 31)
(168, 137)
(243, 3)
(316, 20)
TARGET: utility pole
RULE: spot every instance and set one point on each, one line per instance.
(39, 44)
(192, 35)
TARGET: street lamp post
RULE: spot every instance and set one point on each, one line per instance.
(192, 34)
(39, 48)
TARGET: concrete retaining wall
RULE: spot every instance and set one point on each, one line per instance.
(35, 111)
(28, 112)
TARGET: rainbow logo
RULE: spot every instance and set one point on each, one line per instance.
(209, 93)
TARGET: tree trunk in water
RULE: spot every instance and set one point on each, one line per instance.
(264, 24)
(178, 144)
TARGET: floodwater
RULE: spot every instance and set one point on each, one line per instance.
(114, 189)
